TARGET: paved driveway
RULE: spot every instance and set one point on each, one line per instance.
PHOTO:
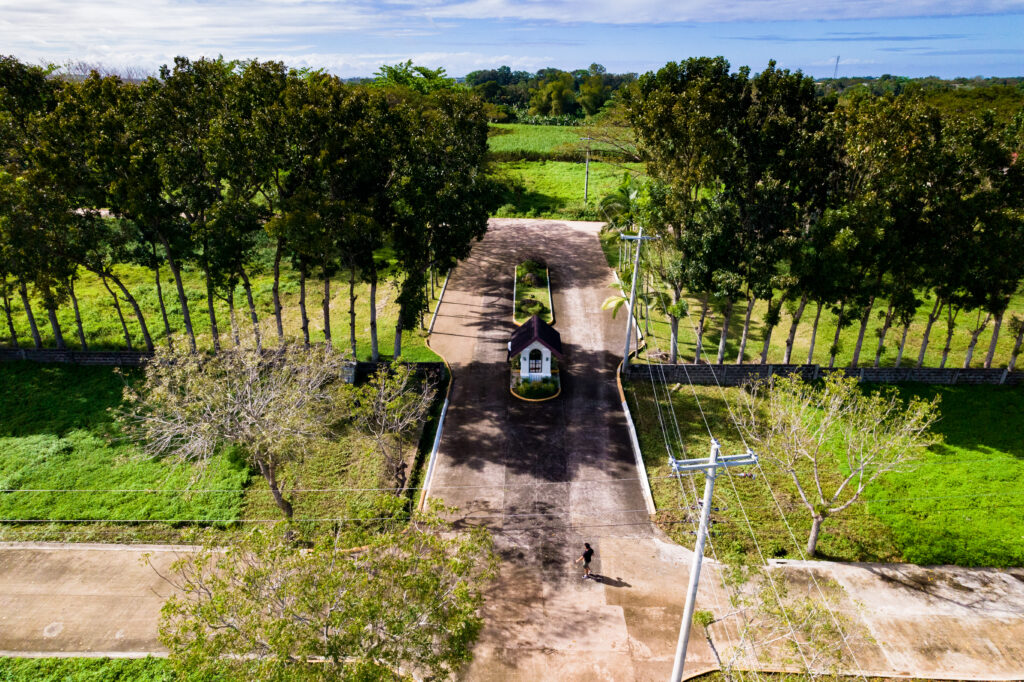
(547, 477)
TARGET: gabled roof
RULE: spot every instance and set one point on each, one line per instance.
(535, 329)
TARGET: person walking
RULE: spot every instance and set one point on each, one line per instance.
(588, 554)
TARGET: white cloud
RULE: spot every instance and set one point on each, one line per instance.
(670, 11)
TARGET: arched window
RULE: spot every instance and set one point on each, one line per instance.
(536, 361)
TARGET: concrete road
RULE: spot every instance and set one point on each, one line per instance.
(81, 600)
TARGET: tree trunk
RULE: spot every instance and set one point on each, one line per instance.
(814, 335)
(725, 331)
(792, 330)
(746, 331)
(700, 327)
(247, 286)
(864, 319)
(932, 316)
(302, 305)
(950, 326)
(352, 311)
(673, 323)
(138, 311)
(398, 340)
(1016, 349)
(768, 329)
(374, 351)
(78, 314)
(277, 291)
(10, 316)
(673, 345)
(812, 541)
(903, 343)
(995, 338)
(882, 334)
(271, 478)
(975, 333)
(231, 315)
(58, 336)
(834, 350)
(326, 305)
(182, 299)
(214, 333)
(120, 315)
(36, 339)
(160, 297)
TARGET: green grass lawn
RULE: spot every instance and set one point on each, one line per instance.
(519, 142)
(957, 506)
(554, 189)
(90, 670)
(56, 434)
(658, 331)
(103, 328)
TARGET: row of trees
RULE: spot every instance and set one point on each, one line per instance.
(760, 190)
(213, 163)
(548, 92)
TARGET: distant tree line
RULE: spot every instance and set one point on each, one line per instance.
(212, 162)
(547, 96)
(759, 189)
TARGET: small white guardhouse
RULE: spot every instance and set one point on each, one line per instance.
(533, 344)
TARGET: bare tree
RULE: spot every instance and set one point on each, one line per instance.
(834, 440)
(271, 405)
(387, 407)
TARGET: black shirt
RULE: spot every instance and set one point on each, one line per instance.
(587, 555)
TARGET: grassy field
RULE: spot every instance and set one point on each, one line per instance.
(957, 506)
(658, 332)
(103, 328)
(90, 670)
(554, 189)
(56, 433)
(518, 142)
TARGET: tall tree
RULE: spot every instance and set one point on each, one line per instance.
(682, 117)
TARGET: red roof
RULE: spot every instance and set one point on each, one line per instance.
(535, 329)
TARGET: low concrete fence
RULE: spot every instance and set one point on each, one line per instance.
(737, 375)
(125, 358)
(117, 358)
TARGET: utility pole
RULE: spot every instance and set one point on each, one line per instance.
(586, 177)
(710, 467)
(639, 238)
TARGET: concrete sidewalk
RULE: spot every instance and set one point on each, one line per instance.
(61, 599)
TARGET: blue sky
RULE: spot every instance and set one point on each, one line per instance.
(871, 37)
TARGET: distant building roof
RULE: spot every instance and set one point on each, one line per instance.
(535, 329)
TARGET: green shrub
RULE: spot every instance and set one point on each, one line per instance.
(535, 390)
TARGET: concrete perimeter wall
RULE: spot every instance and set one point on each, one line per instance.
(124, 358)
(737, 375)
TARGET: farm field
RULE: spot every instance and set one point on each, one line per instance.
(957, 506)
(103, 328)
(658, 333)
(56, 433)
